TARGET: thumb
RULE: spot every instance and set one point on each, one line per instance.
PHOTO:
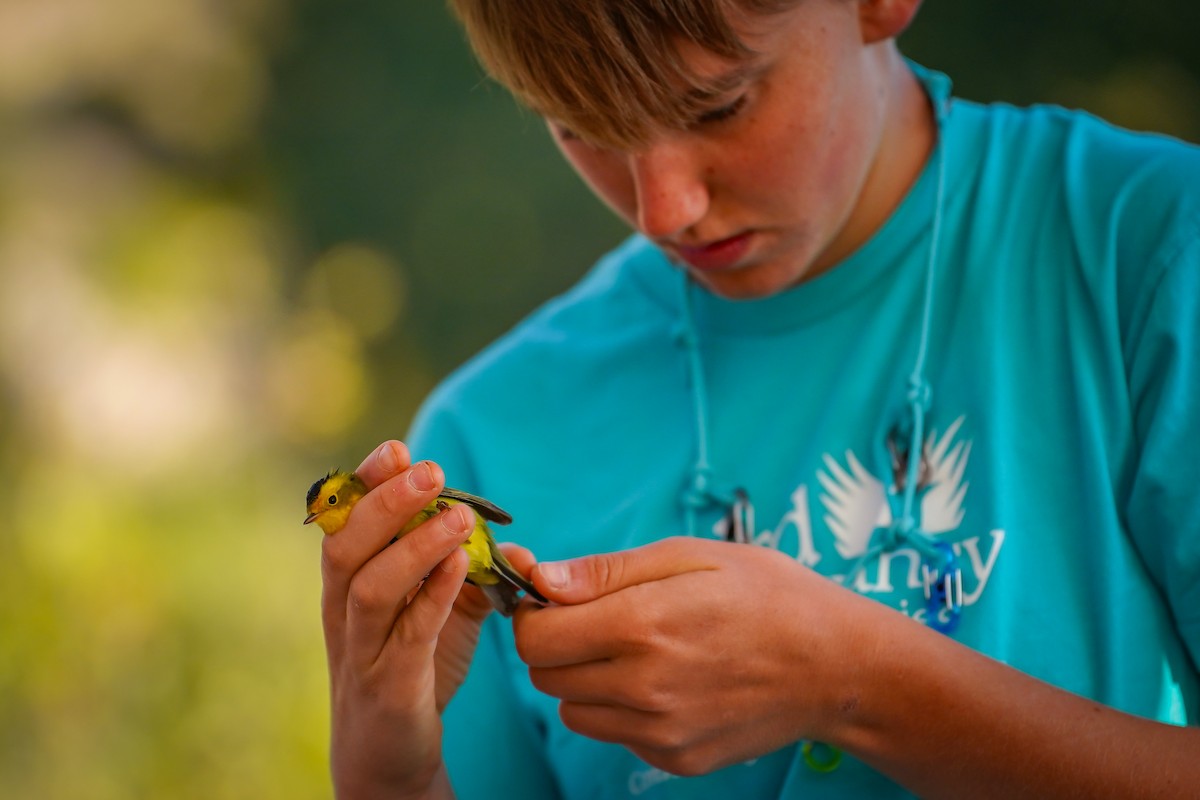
(580, 580)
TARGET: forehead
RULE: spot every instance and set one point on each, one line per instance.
(754, 33)
(615, 71)
(708, 77)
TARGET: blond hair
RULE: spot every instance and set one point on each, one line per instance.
(608, 70)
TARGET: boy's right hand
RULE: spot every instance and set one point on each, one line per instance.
(398, 642)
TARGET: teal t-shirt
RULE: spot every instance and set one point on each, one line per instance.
(1063, 435)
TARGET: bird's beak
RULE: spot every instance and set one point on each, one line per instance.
(310, 518)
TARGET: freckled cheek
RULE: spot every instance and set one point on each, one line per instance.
(827, 172)
(787, 172)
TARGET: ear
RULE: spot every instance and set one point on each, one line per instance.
(885, 19)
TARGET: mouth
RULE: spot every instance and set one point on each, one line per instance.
(310, 518)
(716, 255)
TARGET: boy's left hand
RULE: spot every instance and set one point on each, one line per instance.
(695, 654)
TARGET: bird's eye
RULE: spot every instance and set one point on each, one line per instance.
(332, 500)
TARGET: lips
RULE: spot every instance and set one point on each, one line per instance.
(716, 255)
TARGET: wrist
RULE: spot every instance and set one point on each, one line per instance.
(876, 656)
(896, 676)
(362, 772)
(350, 785)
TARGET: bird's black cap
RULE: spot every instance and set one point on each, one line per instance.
(315, 489)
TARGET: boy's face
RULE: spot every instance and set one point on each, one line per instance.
(788, 173)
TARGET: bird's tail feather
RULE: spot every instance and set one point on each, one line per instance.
(518, 581)
(502, 596)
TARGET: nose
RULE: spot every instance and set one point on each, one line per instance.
(671, 191)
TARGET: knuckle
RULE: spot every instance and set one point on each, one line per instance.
(642, 631)
(606, 569)
(668, 738)
(653, 695)
(683, 761)
(333, 559)
(364, 594)
(414, 637)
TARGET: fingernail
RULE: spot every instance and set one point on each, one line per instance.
(458, 520)
(555, 573)
(420, 477)
(387, 459)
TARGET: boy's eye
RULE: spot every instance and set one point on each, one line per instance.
(722, 113)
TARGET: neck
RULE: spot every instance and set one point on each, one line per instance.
(907, 136)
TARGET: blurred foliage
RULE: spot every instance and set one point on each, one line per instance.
(239, 241)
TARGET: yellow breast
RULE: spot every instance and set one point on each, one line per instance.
(477, 545)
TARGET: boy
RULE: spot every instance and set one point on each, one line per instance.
(932, 361)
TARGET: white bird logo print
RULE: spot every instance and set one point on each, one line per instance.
(856, 501)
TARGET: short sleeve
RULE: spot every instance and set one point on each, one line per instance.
(1164, 502)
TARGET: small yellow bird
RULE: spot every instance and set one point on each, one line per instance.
(331, 498)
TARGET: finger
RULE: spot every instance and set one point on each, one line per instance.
(557, 636)
(607, 683)
(388, 459)
(374, 521)
(617, 724)
(473, 602)
(580, 580)
(423, 619)
(380, 590)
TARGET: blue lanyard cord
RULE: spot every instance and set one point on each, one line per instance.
(919, 391)
(905, 529)
(703, 490)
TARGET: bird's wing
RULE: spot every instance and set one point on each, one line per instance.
(486, 508)
(942, 504)
(854, 502)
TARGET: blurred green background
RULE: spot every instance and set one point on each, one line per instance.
(239, 240)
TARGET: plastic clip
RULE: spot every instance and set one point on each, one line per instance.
(943, 590)
(739, 524)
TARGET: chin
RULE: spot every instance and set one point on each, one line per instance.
(749, 283)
